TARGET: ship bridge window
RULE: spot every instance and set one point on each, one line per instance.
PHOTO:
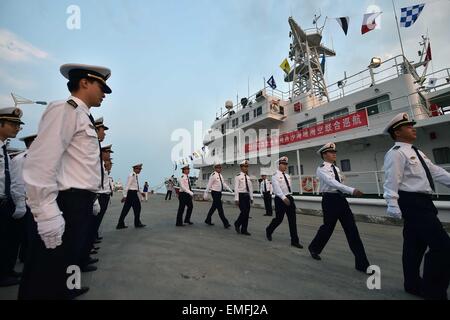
(375, 106)
(246, 117)
(257, 112)
(235, 122)
(223, 128)
(306, 124)
(293, 170)
(345, 165)
(441, 155)
(335, 114)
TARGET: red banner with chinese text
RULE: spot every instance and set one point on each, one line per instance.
(348, 122)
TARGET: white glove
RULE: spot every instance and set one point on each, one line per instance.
(394, 212)
(20, 212)
(96, 208)
(205, 196)
(51, 231)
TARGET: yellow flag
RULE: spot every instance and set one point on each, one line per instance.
(285, 66)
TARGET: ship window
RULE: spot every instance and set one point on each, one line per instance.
(257, 112)
(246, 117)
(335, 114)
(345, 165)
(306, 124)
(235, 122)
(375, 106)
(213, 152)
(292, 170)
(441, 155)
(223, 127)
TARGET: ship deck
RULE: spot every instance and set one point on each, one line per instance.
(209, 262)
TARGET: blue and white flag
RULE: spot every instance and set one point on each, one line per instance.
(271, 83)
(410, 15)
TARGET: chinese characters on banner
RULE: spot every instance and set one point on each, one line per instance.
(348, 122)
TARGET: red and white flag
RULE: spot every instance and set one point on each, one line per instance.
(369, 22)
(428, 56)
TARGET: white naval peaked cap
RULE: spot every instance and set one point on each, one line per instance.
(398, 121)
(330, 146)
(244, 163)
(107, 148)
(73, 71)
(12, 114)
(185, 167)
(99, 123)
(217, 164)
(283, 160)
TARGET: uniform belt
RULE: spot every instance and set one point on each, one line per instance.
(244, 193)
(416, 194)
(75, 190)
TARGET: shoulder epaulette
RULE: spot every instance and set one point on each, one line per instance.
(72, 103)
(322, 165)
(396, 148)
(213, 173)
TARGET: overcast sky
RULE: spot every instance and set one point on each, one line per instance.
(176, 62)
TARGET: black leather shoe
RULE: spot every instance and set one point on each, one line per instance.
(9, 281)
(140, 226)
(415, 292)
(99, 241)
(88, 268)
(227, 226)
(93, 252)
(188, 222)
(246, 233)
(98, 238)
(268, 236)
(314, 255)
(362, 269)
(209, 223)
(180, 225)
(92, 261)
(297, 245)
(96, 248)
(119, 226)
(236, 227)
(78, 292)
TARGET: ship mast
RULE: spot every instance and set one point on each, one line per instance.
(305, 51)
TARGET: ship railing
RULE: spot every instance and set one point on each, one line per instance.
(390, 69)
(267, 92)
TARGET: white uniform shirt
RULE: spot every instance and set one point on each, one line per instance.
(214, 183)
(132, 183)
(240, 186)
(184, 184)
(403, 171)
(265, 184)
(106, 184)
(17, 170)
(328, 182)
(280, 188)
(65, 154)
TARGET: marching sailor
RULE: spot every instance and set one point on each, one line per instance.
(265, 189)
(11, 199)
(335, 207)
(243, 197)
(132, 198)
(284, 203)
(409, 183)
(185, 198)
(216, 184)
(62, 175)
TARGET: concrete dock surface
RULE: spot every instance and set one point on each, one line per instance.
(201, 262)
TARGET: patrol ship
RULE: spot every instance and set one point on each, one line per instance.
(351, 112)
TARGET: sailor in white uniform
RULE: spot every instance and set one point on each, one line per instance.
(10, 198)
(25, 226)
(409, 183)
(265, 188)
(243, 197)
(284, 203)
(217, 185)
(335, 207)
(63, 174)
(185, 198)
(132, 198)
